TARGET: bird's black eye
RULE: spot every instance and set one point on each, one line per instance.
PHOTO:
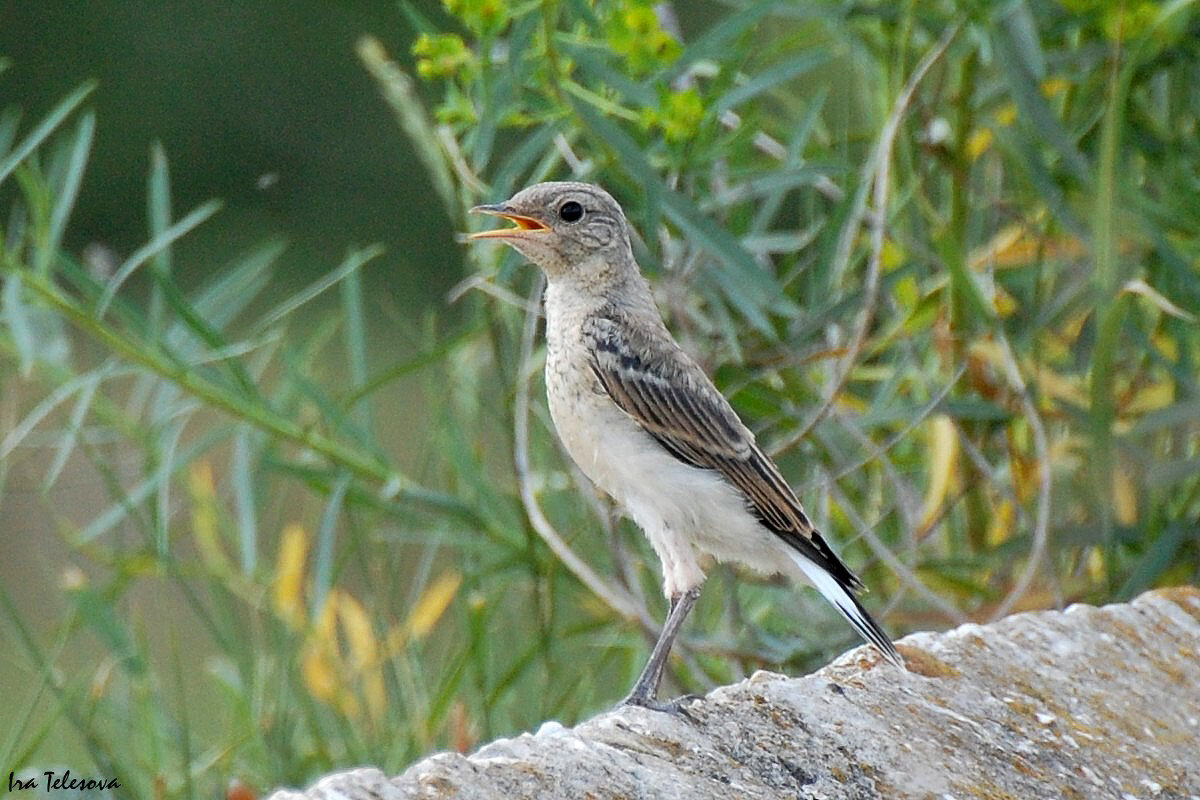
(570, 211)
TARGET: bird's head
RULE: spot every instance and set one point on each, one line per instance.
(565, 228)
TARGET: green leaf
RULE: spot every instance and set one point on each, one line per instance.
(1022, 35)
(123, 507)
(1036, 114)
(1157, 558)
(19, 326)
(519, 160)
(591, 62)
(68, 192)
(44, 129)
(10, 120)
(158, 201)
(325, 551)
(231, 292)
(769, 79)
(417, 20)
(712, 43)
(400, 93)
(83, 402)
(242, 474)
(98, 614)
(155, 245)
(349, 266)
(749, 287)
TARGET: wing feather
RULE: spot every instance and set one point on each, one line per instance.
(671, 398)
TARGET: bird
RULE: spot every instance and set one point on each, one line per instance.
(646, 424)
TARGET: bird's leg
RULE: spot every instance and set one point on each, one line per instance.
(646, 688)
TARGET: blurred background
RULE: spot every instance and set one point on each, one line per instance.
(266, 107)
(269, 109)
(278, 489)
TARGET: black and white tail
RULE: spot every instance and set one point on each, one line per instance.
(845, 602)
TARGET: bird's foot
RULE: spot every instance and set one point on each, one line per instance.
(677, 706)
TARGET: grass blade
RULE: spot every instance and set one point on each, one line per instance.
(401, 95)
(769, 79)
(158, 202)
(326, 539)
(354, 313)
(1039, 118)
(68, 192)
(19, 325)
(83, 402)
(242, 480)
(351, 264)
(44, 129)
(155, 245)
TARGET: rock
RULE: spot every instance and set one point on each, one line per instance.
(1086, 703)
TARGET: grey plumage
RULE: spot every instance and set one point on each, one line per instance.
(646, 424)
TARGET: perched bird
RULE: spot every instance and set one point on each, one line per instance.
(645, 424)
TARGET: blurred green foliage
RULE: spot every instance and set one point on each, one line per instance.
(943, 257)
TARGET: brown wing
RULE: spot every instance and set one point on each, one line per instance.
(670, 397)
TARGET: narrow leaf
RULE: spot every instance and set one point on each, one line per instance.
(326, 536)
(44, 129)
(68, 192)
(15, 314)
(1036, 113)
(242, 475)
(155, 245)
(83, 402)
(771, 78)
(351, 264)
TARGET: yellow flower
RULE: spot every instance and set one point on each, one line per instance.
(480, 16)
(287, 591)
(363, 660)
(681, 115)
(432, 604)
(205, 517)
(635, 34)
(444, 55)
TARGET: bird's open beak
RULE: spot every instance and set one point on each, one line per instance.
(523, 224)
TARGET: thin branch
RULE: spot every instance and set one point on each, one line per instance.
(579, 167)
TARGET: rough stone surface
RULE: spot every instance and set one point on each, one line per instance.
(1080, 704)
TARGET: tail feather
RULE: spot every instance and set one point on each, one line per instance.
(845, 602)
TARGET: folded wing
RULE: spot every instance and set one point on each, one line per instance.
(672, 399)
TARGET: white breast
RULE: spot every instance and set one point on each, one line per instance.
(685, 512)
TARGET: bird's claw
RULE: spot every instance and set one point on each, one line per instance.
(677, 706)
